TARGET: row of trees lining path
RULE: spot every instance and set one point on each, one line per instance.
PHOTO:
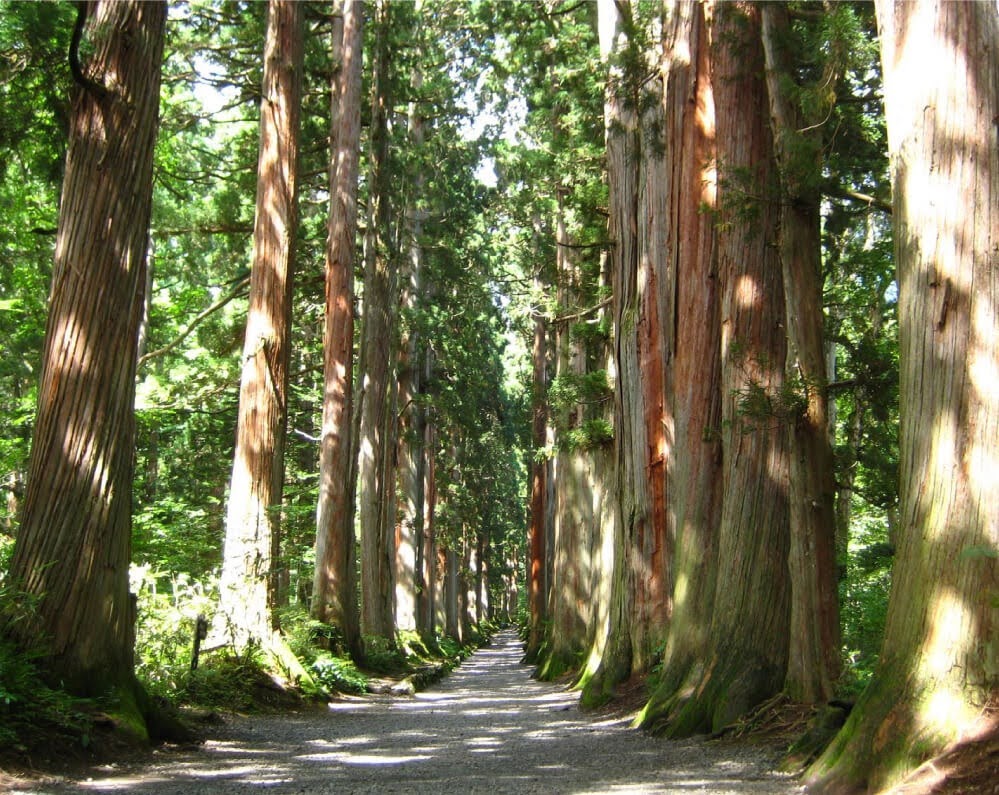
(488, 728)
(660, 484)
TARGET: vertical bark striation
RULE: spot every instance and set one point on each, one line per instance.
(569, 595)
(747, 647)
(412, 413)
(939, 667)
(335, 584)
(536, 585)
(258, 468)
(74, 544)
(690, 316)
(375, 482)
(814, 655)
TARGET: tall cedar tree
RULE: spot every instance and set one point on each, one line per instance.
(621, 133)
(814, 655)
(74, 546)
(255, 490)
(376, 483)
(568, 596)
(334, 598)
(536, 561)
(747, 644)
(694, 458)
(412, 455)
(640, 589)
(938, 673)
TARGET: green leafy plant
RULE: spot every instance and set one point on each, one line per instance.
(339, 674)
(32, 713)
(383, 655)
(168, 609)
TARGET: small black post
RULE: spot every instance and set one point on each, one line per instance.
(200, 633)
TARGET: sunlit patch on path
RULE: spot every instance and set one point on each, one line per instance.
(488, 728)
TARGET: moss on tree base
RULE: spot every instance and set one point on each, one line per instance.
(894, 729)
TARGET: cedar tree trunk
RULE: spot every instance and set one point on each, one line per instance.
(258, 469)
(939, 668)
(335, 586)
(74, 545)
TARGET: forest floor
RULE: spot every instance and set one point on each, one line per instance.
(487, 728)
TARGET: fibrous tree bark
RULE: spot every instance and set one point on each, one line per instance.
(639, 604)
(427, 596)
(622, 136)
(694, 458)
(376, 483)
(74, 544)
(814, 655)
(939, 668)
(569, 593)
(412, 457)
(537, 530)
(335, 584)
(450, 593)
(244, 617)
(651, 570)
(746, 650)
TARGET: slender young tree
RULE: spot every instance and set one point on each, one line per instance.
(937, 677)
(335, 584)
(74, 546)
(255, 489)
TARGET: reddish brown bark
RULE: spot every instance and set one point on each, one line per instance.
(73, 547)
(258, 466)
(747, 645)
(536, 585)
(694, 460)
(653, 584)
(335, 583)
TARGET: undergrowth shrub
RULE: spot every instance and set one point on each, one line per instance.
(168, 609)
(338, 674)
(227, 681)
(32, 713)
(382, 655)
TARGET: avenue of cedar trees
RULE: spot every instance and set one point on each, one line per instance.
(667, 330)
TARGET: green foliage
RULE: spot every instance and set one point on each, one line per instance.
(229, 682)
(338, 674)
(758, 405)
(383, 655)
(168, 605)
(451, 650)
(864, 601)
(32, 713)
(592, 433)
(578, 403)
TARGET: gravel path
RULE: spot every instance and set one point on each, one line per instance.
(487, 728)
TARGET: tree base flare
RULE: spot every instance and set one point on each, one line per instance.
(891, 733)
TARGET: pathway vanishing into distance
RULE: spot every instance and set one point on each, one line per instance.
(487, 728)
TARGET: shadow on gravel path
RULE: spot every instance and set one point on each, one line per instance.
(488, 728)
